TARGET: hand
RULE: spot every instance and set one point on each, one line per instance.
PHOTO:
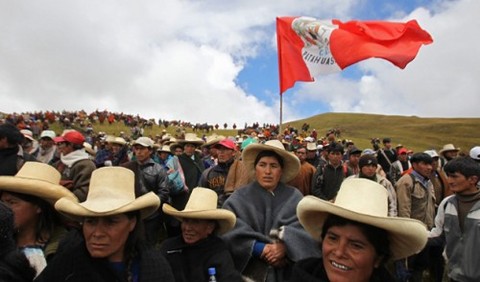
(274, 254)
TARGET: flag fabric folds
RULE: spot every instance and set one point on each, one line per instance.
(308, 47)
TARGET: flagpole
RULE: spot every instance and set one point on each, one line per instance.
(281, 111)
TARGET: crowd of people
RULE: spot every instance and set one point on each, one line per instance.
(250, 207)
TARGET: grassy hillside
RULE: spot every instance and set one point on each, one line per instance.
(413, 132)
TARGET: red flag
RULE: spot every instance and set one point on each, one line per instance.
(308, 47)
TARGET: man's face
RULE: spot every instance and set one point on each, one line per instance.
(311, 154)
(459, 184)
(189, 149)
(353, 159)
(335, 158)
(301, 153)
(403, 157)
(369, 170)
(46, 143)
(450, 154)
(423, 168)
(142, 153)
(224, 154)
(388, 145)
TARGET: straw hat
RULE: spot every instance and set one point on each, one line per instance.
(39, 180)
(291, 163)
(117, 140)
(164, 148)
(191, 138)
(213, 139)
(364, 201)
(111, 191)
(202, 204)
(89, 149)
(447, 148)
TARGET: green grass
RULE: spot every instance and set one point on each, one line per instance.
(415, 133)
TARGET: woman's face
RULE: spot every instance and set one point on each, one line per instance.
(105, 237)
(194, 230)
(348, 255)
(26, 214)
(268, 172)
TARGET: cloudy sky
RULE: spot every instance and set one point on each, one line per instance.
(216, 61)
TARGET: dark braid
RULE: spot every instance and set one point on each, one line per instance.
(133, 244)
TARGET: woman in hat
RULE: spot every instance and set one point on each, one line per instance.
(111, 244)
(199, 248)
(267, 236)
(357, 236)
(31, 194)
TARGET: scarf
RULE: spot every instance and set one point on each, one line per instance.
(74, 157)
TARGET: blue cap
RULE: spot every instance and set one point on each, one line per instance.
(211, 271)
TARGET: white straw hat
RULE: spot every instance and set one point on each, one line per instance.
(39, 180)
(291, 163)
(202, 204)
(364, 201)
(111, 191)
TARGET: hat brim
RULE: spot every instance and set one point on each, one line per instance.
(225, 218)
(194, 142)
(291, 164)
(147, 204)
(34, 187)
(407, 236)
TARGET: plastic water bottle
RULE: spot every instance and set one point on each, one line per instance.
(211, 274)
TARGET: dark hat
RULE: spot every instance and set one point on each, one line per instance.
(367, 160)
(354, 150)
(386, 140)
(421, 157)
(335, 147)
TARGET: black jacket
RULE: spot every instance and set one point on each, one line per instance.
(191, 262)
(74, 263)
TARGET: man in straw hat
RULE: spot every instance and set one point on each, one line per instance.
(189, 166)
(31, 194)
(150, 177)
(198, 248)
(448, 153)
(111, 245)
(357, 236)
(267, 235)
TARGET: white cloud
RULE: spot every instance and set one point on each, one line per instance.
(441, 82)
(182, 60)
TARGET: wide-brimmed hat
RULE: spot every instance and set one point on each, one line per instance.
(111, 191)
(364, 201)
(212, 140)
(191, 138)
(291, 163)
(164, 148)
(202, 204)
(117, 140)
(39, 180)
(448, 148)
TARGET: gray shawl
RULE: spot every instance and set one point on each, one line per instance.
(259, 211)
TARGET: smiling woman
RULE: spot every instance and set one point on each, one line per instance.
(111, 246)
(357, 237)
